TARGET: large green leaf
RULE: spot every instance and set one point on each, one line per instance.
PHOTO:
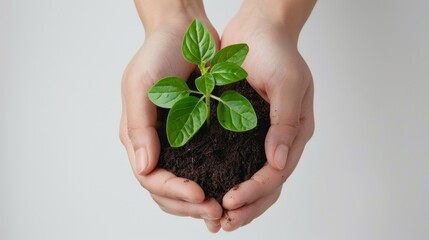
(184, 119)
(167, 91)
(198, 45)
(235, 112)
(225, 73)
(205, 83)
(234, 54)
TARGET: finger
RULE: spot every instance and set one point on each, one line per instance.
(285, 113)
(165, 184)
(150, 135)
(234, 219)
(141, 118)
(261, 184)
(265, 181)
(208, 209)
(213, 225)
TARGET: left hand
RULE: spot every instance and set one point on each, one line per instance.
(158, 58)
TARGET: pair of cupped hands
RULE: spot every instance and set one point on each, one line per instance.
(276, 71)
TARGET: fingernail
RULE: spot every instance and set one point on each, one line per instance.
(209, 218)
(141, 160)
(281, 156)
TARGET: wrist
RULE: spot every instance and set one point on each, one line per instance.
(154, 13)
(289, 15)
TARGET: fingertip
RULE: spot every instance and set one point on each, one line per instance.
(232, 200)
(213, 225)
(191, 191)
(147, 152)
(212, 214)
(228, 222)
(277, 144)
(215, 210)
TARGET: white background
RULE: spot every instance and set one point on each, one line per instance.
(65, 175)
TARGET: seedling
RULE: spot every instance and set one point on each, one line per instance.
(189, 109)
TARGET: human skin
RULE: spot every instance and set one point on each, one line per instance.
(280, 75)
(165, 22)
(276, 71)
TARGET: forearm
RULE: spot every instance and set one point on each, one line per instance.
(154, 12)
(289, 13)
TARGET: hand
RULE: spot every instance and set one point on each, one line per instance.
(280, 75)
(160, 56)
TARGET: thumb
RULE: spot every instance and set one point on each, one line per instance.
(140, 119)
(285, 112)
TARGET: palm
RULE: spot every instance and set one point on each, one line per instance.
(160, 56)
(272, 57)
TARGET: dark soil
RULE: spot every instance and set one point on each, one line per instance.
(215, 158)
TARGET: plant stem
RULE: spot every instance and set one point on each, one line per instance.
(217, 98)
(208, 107)
(203, 68)
(196, 92)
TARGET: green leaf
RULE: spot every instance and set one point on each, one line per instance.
(234, 54)
(235, 112)
(184, 119)
(198, 45)
(205, 83)
(225, 73)
(167, 91)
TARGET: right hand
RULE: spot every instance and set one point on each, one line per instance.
(160, 56)
(280, 75)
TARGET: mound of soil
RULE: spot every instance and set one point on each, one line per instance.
(215, 158)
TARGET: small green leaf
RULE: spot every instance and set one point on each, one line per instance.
(234, 54)
(225, 73)
(198, 45)
(235, 112)
(184, 119)
(205, 83)
(167, 91)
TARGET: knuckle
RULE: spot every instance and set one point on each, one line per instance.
(141, 182)
(133, 134)
(160, 204)
(291, 124)
(311, 133)
(308, 129)
(156, 200)
(132, 131)
(278, 118)
(136, 76)
(279, 130)
(296, 79)
(123, 136)
(130, 76)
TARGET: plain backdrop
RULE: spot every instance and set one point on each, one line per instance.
(65, 175)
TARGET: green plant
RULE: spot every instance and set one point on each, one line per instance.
(189, 112)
